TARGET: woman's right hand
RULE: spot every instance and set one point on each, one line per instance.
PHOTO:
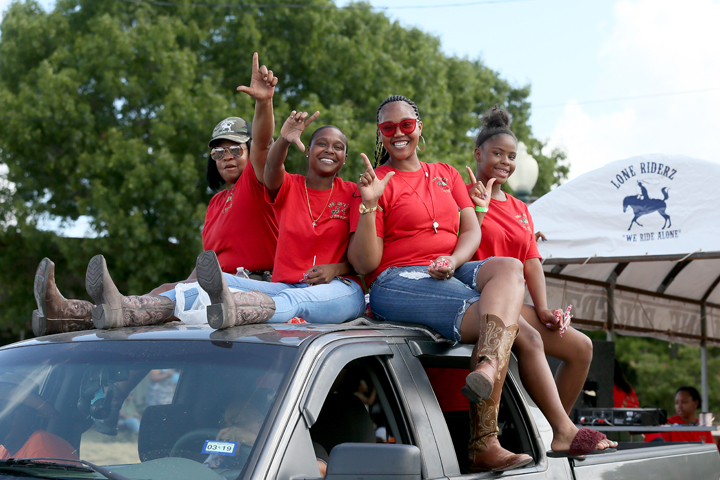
(295, 125)
(370, 186)
(479, 193)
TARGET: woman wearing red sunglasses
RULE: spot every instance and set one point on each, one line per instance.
(414, 214)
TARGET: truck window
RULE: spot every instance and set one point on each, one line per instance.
(447, 378)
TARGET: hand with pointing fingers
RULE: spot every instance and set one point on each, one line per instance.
(262, 82)
(295, 125)
(370, 186)
(479, 193)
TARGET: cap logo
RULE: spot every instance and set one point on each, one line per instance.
(226, 126)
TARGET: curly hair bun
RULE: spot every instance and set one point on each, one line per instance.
(496, 118)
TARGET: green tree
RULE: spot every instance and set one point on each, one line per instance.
(107, 107)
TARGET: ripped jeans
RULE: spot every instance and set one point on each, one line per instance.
(410, 295)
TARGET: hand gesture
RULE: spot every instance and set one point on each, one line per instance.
(371, 188)
(262, 82)
(442, 268)
(295, 125)
(479, 193)
(320, 274)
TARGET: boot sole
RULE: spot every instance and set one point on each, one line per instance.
(40, 286)
(39, 324)
(477, 384)
(221, 314)
(103, 315)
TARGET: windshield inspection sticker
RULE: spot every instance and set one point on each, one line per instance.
(219, 448)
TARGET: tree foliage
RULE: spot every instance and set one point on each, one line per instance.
(107, 107)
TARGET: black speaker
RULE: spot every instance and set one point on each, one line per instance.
(598, 389)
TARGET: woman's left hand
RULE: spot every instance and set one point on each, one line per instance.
(442, 268)
(479, 193)
(321, 274)
(547, 317)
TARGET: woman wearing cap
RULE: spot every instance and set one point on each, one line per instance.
(235, 162)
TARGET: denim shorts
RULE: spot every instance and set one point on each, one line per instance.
(411, 295)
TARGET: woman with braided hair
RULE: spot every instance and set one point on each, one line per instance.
(414, 214)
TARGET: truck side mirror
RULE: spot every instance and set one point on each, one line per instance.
(374, 461)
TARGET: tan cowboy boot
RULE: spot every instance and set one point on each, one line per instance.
(494, 338)
(484, 449)
(228, 308)
(55, 313)
(115, 310)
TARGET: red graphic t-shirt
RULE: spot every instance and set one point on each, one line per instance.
(299, 241)
(410, 203)
(240, 226)
(701, 436)
(507, 231)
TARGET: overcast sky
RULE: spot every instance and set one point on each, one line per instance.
(610, 78)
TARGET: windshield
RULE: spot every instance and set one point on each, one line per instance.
(150, 409)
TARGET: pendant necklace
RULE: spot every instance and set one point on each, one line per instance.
(435, 224)
(307, 197)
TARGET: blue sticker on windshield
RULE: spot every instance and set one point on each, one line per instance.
(220, 448)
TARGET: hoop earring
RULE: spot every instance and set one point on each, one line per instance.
(421, 149)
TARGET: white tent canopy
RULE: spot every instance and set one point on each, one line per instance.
(634, 246)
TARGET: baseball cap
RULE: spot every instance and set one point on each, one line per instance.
(232, 128)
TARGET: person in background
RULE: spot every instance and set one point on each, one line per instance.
(687, 401)
(623, 393)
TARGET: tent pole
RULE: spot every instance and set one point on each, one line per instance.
(703, 359)
(610, 317)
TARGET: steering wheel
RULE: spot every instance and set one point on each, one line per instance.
(190, 444)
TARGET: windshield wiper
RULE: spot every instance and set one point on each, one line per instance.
(67, 464)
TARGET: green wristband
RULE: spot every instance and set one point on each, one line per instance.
(481, 209)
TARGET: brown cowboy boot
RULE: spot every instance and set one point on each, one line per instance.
(494, 338)
(484, 449)
(115, 310)
(55, 313)
(229, 309)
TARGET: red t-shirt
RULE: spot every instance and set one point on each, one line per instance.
(299, 241)
(625, 400)
(701, 436)
(240, 226)
(409, 204)
(507, 231)
(42, 444)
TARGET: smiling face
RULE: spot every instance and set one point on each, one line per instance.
(496, 158)
(685, 406)
(231, 167)
(327, 152)
(400, 146)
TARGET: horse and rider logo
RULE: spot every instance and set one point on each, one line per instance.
(643, 205)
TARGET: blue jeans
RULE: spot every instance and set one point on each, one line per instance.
(334, 302)
(411, 295)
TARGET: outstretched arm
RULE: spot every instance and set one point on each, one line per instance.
(294, 126)
(262, 88)
(366, 248)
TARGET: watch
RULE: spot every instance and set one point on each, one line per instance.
(364, 209)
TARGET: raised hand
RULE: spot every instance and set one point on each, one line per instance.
(479, 193)
(371, 188)
(295, 125)
(262, 82)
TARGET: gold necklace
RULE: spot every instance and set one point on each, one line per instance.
(435, 224)
(307, 197)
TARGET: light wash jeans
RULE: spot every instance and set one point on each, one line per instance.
(411, 295)
(334, 302)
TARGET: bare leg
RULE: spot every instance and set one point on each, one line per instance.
(574, 349)
(538, 381)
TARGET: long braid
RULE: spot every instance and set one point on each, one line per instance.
(381, 155)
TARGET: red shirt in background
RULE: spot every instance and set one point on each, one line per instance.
(299, 241)
(701, 436)
(507, 231)
(625, 400)
(240, 226)
(446, 383)
(42, 444)
(409, 203)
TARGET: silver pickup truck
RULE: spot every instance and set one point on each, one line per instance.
(271, 402)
